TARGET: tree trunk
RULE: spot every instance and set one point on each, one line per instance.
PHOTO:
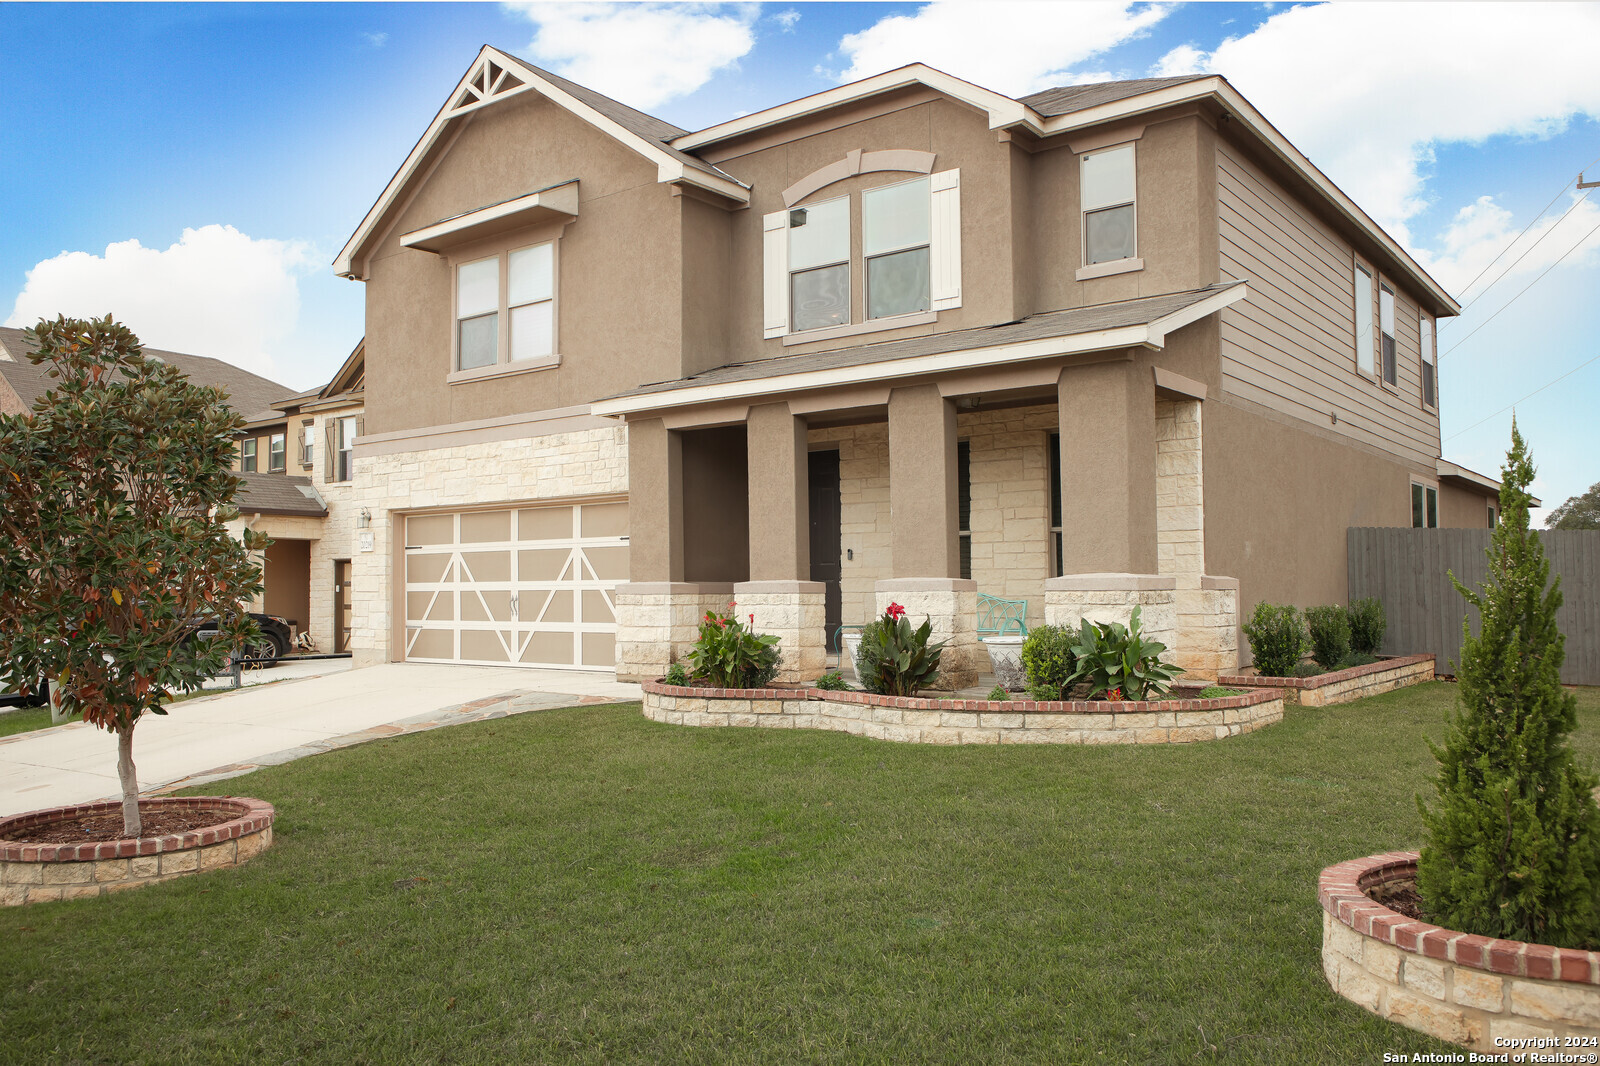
(130, 783)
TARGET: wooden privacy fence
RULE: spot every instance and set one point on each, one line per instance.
(1409, 571)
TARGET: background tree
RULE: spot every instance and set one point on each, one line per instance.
(1579, 512)
(114, 494)
(1513, 845)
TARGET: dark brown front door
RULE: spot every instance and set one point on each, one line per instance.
(825, 548)
(341, 605)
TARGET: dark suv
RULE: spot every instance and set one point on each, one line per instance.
(266, 649)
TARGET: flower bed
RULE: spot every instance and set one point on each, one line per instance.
(1343, 686)
(912, 719)
(33, 873)
(1485, 994)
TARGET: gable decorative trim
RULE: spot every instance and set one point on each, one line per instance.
(858, 162)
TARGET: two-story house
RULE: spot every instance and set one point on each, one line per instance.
(904, 340)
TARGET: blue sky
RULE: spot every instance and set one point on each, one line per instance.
(239, 145)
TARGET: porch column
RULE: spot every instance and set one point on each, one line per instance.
(780, 592)
(925, 551)
(657, 611)
(1108, 493)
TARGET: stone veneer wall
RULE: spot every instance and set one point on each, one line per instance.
(1489, 995)
(1344, 686)
(940, 721)
(1109, 598)
(795, 613)
(557, 466)
(37, 873)
(1010, 465)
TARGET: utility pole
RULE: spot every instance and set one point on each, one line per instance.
(1587, 184)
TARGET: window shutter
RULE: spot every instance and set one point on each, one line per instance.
(775, 273)
(944, 252)
(330, 446)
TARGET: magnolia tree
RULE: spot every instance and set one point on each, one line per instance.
(114, 494)
(1513, 845)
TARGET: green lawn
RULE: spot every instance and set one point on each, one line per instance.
(585, 885)
(23, 720)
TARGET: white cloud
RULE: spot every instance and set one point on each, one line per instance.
(1367, 90)
(1010, 46)
(376, 40)
(1477, 248)
(643, 54)
(786, 20)
(216, 292)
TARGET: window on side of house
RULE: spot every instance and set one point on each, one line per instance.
(275, 453)
(896, 223)
(247, 455)
(308, 443)
(1386, 324)
(1494, 516)
(964, 505)
(819, 265)
(1365, 346)
(1057, 553)
(1424, 506)
(1107, 191)
(1430, 361)
(344, 457)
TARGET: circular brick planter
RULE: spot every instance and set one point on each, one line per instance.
(34, 873)
(1488, 995)
(945, 721)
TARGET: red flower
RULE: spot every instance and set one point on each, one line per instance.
(895, 611)
(1115, 695)
(732, 604)
(752, 619)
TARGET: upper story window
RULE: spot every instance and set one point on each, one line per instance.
(1424, 506)
(342, 444)
(275, 453)
(247, 455)
(505, 308)
(308, 443)
(1365, 341)
(1386, 324)
(861, 262)
(1430, 361)
(1106, 187)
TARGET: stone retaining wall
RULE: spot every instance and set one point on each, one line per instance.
(1484, 994)
(1344, 686)
(35, 873)
(936, 721)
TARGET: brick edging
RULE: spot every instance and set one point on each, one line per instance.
(252, 816)
(1341, 892)
(917, 703)
(1398, 662)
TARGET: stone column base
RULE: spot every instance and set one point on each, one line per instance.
(1208, 629)
(794, 612)
(952, 604)
(658, 621)
(1108, 598)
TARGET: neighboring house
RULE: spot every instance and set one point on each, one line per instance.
(301, 499)
(906, 339)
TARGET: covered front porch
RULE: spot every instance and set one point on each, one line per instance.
(1072, 479)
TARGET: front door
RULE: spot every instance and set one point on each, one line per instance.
(825, 548)
(341, 605)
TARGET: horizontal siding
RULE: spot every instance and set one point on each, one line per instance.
(1291, 345)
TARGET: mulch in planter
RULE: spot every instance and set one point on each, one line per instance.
(1400, 896)
(97, 828)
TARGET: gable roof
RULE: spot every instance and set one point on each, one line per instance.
(287, 494)
(1098, 327)
(1066, 99)
(495, 75)
(248, 393)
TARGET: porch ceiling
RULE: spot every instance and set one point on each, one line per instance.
(1144, 322)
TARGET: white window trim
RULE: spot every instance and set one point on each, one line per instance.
(308, 443)
(501, 250)
(348, 455)
(253, 455)
(1083, 216)
(282, 441)
(1427, 487)
(1374, 356)
(1422, 358)
(1385, 285)
(848, 263)
(866, 275)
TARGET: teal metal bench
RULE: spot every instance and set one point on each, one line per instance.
(997, 617)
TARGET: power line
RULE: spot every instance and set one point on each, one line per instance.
(1531, 284)
(1513, 264)
(1530, 396)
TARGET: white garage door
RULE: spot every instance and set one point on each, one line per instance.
(530, 586)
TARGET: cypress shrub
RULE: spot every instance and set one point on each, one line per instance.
(1277, 639)
(1367, 625)
(1330, 635)
(1048, 660)
(1513, 845)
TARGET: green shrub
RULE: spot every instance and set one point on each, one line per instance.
(1112, 656)
(1217, 692)
(676, 675)
(727, 655)
(1048, 661)
(1367, 624)
(1329, 628)
(998, 694)
(1513, 845)
(1277, 639)
(1357, 658)
(894, 659)
(833, 682)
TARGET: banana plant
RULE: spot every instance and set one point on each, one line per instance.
(896, 660)
(1111, 656)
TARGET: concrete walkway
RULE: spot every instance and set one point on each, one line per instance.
(213, 737)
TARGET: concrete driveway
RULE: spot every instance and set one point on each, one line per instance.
(217, 736)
